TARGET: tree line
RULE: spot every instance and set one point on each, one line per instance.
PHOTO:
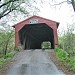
(67, 40)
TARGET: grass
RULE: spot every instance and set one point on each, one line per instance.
(2, 62)
(9, 55)
(64, 57)
(6, 57)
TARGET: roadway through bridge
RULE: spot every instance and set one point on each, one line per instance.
(33, 62)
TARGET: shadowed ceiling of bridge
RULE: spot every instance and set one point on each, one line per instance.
(32, 35)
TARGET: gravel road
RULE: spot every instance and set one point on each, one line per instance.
(33, 62)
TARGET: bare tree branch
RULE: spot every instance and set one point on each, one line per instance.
(73, 4)
(62, 3)
(5, 14)
(7, 11)
(7, 3)
(4, 11)
(68, 1)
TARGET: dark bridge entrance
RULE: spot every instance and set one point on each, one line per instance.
(31, 36)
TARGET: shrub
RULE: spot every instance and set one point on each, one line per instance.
(64, 56)
(6, 58)
(1, 55)
(73, 66)
(2, 62)
(18, 48)
(9, 55)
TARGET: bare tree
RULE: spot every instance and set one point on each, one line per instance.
(67, 1)
(8, 6)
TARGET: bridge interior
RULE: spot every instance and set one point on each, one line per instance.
(31, 36)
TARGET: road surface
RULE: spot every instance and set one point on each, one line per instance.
(33, 62)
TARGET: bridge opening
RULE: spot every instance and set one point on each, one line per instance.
(31, 36)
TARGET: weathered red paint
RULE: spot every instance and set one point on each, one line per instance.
(50, 23)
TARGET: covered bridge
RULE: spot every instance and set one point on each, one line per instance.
(32, 32)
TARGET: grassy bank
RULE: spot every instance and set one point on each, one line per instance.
(6, 58)
(66, 59)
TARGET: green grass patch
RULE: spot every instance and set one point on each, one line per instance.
(65, 58)
(2, 61)
(9, 55)
(6, 58)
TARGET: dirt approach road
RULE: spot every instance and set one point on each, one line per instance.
(33, 62)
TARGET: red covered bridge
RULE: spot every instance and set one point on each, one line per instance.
(31, 32)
